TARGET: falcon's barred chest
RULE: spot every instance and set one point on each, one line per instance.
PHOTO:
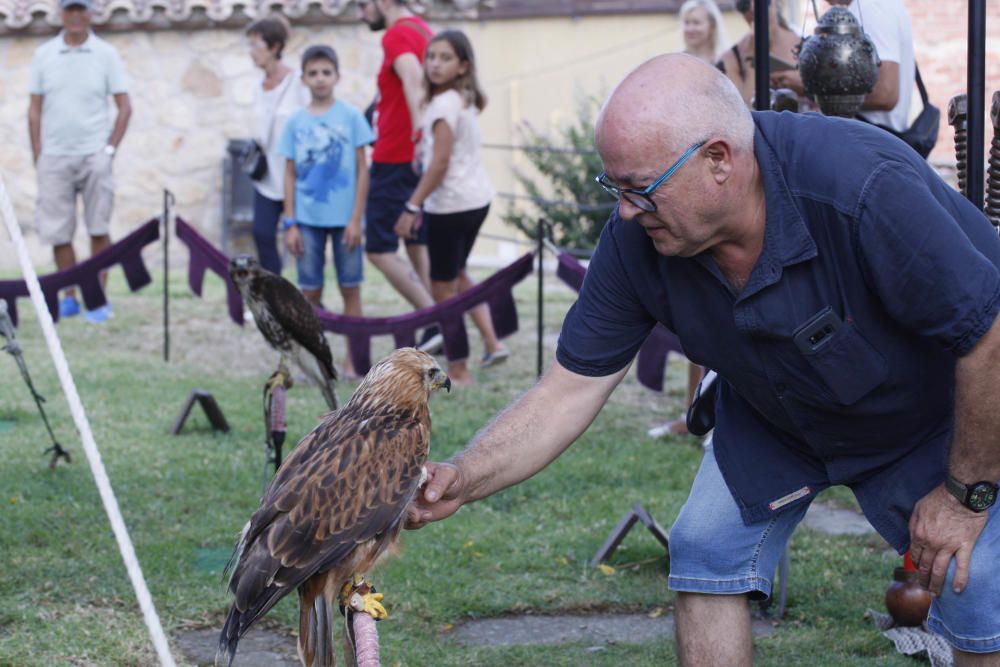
(275, 334)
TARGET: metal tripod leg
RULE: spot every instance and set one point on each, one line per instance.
(14, 349)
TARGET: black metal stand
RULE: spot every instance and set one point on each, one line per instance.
(976, 90)
(168, 201)
(636, 513)
(541, 293)
(762, 56)
(14, 349)
(208, 404)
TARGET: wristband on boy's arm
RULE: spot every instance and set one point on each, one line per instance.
(287, 222)
(411, 207)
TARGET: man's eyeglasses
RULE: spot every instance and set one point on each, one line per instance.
(642, 199)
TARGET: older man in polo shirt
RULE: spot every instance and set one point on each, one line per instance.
(72, 138)
(847, 298)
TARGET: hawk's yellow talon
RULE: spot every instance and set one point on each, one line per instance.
(373, 605)
(360, 596)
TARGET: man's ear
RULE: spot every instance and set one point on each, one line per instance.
(720, 159)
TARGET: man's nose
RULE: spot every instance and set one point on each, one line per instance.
(627, 210)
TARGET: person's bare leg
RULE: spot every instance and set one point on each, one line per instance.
(313, 296)
(713, 630)
(402, 277)
(442, 290)
(65, 257)
(97, 244)
(421, 261)
(481, 316)
(963, 659)
(458, 370)
(352, 306)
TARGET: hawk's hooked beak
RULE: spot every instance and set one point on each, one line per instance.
(447, 384)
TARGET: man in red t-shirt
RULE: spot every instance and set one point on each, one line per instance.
(400, 89)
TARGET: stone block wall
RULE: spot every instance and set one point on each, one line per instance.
(191, 93)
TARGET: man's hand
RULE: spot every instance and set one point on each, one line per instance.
(940, 528)
(440, 497)
(404, 227)
(789, 78)
(293, 241)
(352, 235)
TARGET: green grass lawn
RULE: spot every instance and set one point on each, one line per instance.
(65, 597)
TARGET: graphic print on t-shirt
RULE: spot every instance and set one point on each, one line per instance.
(319, 149)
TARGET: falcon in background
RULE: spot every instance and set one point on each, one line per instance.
(288, 323)
(336, 505)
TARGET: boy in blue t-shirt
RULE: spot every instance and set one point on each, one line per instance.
(326, 184)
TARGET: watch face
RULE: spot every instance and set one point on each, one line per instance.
(982, 496)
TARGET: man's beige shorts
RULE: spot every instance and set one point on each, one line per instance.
(60, 178)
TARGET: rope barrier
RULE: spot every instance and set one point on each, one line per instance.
(542, 201)
(572, 150)
(83, 426)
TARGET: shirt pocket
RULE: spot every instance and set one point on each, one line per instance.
(848, 364)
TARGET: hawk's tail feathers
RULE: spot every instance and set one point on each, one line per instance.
(315, 627)
(229, 639)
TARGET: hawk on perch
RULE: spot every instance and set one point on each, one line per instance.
(288, 323)
(336, 505)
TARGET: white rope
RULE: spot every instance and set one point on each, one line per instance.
(87, 437)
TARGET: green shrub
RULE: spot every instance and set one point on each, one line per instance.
(567, 198)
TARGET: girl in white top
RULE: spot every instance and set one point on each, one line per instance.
(454, 191)
(280, 94)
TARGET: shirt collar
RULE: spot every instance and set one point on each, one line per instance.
(83, 48)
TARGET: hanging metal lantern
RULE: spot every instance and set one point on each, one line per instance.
(838, 64)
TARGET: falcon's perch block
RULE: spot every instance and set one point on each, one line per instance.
(636, 513)
(208, 404)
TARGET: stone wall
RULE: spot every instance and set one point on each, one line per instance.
(191, 93)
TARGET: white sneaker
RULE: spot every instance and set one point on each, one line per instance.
(432, 345)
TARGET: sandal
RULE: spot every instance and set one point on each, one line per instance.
(494, 359)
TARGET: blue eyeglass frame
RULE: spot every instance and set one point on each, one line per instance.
(645, 202)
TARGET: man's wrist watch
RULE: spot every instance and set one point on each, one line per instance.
(411, 207)
(109, 150)
(287, 222)
(978, 496)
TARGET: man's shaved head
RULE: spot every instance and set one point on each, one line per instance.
(668, 103)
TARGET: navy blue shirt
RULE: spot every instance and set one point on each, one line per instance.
(890, 271)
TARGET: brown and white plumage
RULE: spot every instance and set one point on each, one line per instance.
(337, 504)
(287, 321)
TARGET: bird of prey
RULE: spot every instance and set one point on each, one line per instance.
(288, 323)
(336, 505)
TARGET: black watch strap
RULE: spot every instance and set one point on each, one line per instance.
(956, 488)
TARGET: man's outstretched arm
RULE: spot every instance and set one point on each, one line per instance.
(525, 437)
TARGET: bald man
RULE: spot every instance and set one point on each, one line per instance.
(847, 298)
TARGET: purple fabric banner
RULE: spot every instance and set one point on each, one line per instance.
(204, 256)
(495, 291)
(651, 364)
(127, 252)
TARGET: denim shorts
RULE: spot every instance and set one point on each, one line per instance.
(713, 551)
(348, 263)
(391, 186)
